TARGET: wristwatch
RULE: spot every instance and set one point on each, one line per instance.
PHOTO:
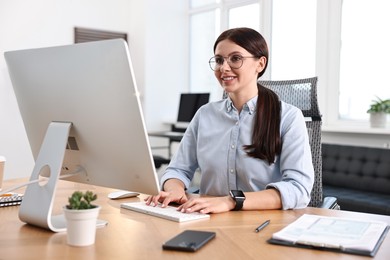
(239, 197)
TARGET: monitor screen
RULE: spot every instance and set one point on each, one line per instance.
(189, 104)
(92, 87)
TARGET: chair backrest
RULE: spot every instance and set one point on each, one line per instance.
(302, 93)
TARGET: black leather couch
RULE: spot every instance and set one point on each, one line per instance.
(359, 177)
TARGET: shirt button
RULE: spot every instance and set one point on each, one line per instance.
(233, 146)
(231, 171)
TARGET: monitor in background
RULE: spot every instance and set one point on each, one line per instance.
(189, 104)
(84, 98)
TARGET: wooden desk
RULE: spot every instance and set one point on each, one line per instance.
(131, 235)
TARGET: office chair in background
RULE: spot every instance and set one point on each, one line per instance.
(302, 93)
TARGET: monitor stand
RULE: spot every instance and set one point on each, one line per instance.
(37, 203)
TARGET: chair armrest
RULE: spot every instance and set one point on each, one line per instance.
(330, 203)
(159, 161)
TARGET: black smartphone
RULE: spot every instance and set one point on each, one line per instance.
(189, 240)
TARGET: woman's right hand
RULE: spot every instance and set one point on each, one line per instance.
(174, 191)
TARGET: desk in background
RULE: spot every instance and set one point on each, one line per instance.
(132, 235)
(174, 135)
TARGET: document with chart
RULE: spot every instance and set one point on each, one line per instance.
(346, 235)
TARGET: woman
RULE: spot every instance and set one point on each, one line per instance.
(252, 150)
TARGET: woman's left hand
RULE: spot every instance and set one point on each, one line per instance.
(207, 205)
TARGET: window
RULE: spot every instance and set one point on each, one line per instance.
(344, 43)
(201, 3)
(293, 39)
(364, 56)
(245, 16)
(208, 19)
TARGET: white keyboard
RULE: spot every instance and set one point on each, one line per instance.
(168, 212)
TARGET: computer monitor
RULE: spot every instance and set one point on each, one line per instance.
(189, 104)
(82, 113)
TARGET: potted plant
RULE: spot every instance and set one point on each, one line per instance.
(379, 109)
(81, 218)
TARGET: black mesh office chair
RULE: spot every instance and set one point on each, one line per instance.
(302, 93)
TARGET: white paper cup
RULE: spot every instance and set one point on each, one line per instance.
(2, 164)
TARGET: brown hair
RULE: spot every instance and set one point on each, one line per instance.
(266, 138)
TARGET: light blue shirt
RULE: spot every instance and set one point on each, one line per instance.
(213, 142)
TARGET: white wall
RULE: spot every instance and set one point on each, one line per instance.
(150, 26)
(166, 60)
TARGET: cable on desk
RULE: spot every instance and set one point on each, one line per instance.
(16, 187)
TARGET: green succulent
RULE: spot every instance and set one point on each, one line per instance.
(80, 200)
(379, 105)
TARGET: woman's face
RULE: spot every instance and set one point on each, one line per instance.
(243, 79)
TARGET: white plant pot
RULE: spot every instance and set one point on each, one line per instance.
(378, 120)
(81, 226)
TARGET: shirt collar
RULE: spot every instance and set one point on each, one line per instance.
(249, 106)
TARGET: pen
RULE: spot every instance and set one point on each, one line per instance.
(259, 228)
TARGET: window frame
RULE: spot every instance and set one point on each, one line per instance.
(328, 55)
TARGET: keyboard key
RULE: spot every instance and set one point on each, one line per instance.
(169, 212)
(10, 199)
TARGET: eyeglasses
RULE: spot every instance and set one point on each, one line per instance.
(235, 61)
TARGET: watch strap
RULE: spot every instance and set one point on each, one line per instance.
(239, 199)
(239, 203)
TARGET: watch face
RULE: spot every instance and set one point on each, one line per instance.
(237, 193)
